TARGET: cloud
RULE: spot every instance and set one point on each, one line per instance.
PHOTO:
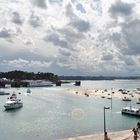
(65, 52)
(131, 34)
(55, 39)
(35, 20)
(28, 42)
(60, 2)
(75, 21)
(16, 18)
(40, 3)
(81, 25)
(80, 8)
(5, 33)
(70, 34)
(73, 37)
(69, 12)
(121, 9)
(107, 57)
(20, 63)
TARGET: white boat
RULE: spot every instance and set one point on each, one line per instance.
(13, 103)
(126, 99)
(40, 83)
(131, 111)
(4, 93)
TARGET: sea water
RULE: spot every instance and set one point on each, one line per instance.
(52, 113)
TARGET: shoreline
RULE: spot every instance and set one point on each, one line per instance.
(116, 135)
(132, 94)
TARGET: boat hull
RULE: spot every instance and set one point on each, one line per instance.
(14, 106)
(132, 114)
(3, 93)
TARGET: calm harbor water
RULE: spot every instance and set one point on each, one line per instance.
(52, 113)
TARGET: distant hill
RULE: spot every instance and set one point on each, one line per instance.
(22, 75)
(97, 77)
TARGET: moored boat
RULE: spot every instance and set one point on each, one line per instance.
(131, 111)
(28, 90)
(4, 93)
(126, 99)
(13, 102)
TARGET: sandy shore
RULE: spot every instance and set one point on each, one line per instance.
(118, 135)
(132, 94)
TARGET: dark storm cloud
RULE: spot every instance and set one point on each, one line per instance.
(40, 3)
(16, 18)
(5, 33)
(121, 9)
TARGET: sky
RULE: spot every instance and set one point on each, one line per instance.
(71, 37)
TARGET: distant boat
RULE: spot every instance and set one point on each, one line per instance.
(77, 83)
(131, 111)
(126, 99)
(28, 90)
(13, 102)
(4, 93)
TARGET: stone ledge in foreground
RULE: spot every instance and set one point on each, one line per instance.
(117, 135)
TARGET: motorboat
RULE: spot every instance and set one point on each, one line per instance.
(131, 111)
(126, 99)
(13, 102)
(4, 93)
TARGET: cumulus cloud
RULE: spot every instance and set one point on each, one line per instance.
(121, 8)
(80, 8)
(128, 39)
(70, 34)
(16, 18)
(55, 39)
(40, 3)
(20, 63)
(60, 2)
(131, 33)
(28, 42)
(5, 33)
(107, 57)
(79, 37)
(81, 25)
(35, 20)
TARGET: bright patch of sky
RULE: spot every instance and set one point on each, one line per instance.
(70, 37)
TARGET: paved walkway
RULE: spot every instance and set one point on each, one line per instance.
(119, 135)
